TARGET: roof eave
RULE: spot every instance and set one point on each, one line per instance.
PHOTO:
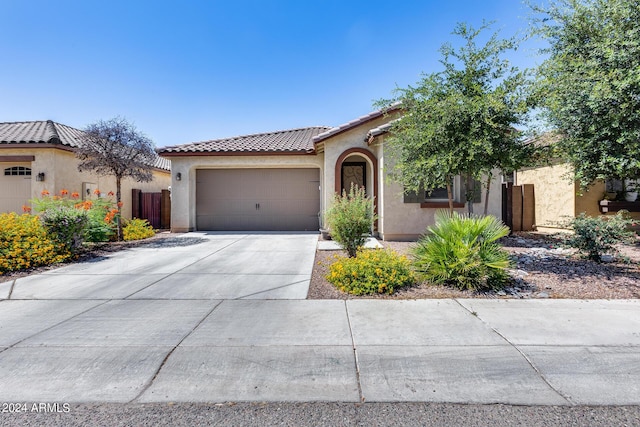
(237, 153)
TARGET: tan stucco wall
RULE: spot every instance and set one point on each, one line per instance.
(396, 220)
(61, 172)
(558, 198)
(588, 201)
(555, 194)
(408, 221)
(183, 192)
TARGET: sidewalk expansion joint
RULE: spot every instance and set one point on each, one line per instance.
(355, 353)
(13, 284)
(526, 358)
(57, 324)
(166, 358)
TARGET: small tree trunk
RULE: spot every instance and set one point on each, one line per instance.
(119, 206)
(469, 194)
(486, 194)
(450, 196)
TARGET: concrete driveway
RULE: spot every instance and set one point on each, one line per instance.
(193, 266)
(218, 318)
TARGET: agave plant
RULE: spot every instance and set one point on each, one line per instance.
(462, 251)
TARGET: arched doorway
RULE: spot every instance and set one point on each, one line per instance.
(358, 165)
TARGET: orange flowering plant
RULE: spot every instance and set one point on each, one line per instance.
(101, 212)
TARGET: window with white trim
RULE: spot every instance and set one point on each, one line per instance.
(17, 171)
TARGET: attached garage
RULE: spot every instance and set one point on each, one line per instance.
(258, 199)
(15, 186)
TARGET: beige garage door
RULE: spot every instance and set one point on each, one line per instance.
(15, 186)
(257, 199)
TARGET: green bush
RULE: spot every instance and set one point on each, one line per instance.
(101, 212)
(66, 225)
(463, 252)
(596, 236)
(137, 229)
(350, 219)
(24, 243)
(371, 271)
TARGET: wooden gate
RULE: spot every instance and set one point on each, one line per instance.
(154, 207)
(518, 206)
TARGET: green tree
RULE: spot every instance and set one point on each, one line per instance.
(461, 121)
(589, 85)
(115, 147)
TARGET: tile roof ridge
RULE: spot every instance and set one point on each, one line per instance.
(251, 135)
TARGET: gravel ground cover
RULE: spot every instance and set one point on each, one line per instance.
(543, 270)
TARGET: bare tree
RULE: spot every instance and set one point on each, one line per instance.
(115, 147)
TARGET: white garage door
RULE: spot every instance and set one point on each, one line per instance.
(257, 199)
(15, 186)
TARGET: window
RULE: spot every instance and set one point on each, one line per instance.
(439, 195)
(436, 195)
(17, 171)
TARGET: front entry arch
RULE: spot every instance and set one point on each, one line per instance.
(363, 154)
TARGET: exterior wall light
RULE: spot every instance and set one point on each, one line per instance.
(178, 176)
(40, 177)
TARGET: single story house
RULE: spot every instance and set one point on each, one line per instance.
(39, 155)
(285, 180)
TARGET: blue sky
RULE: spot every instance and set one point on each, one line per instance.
(186, 71)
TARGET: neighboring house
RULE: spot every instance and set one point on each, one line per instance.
(558, 197)
(39, 155)
(284, 180)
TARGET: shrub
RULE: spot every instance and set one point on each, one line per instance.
(101, 212)
(66, 225)
(24, 243)
(371, 271)
(350, 219)
(463, 252)
(137, 229)
(596, 236)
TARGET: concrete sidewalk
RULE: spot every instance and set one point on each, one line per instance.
(468, 351)
(217, 318)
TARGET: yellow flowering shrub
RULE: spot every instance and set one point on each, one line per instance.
(370, 272)
(24, 243)
(137, 229)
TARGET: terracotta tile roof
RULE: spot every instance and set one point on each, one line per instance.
(50, 132)
(356, 122)
(293, 141)
(40, 132)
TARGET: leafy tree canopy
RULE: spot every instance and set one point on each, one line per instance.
(590, 84)
(461, 121)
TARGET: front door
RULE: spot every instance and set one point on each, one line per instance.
(354, 173)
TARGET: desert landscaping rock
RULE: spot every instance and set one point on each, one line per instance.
(541, 270)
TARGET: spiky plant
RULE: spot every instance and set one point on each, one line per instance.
(462, 251)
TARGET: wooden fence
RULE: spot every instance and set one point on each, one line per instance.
(154, 207)
(519, 206)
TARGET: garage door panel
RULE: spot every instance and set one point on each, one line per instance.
(15, 191)
(257, 199)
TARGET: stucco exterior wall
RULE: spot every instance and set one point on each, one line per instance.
(61, 172)
(335, 146)
(396, 220)
(558, 198)
(183, 192)
(555, 194)
(588, 201)
(408, 221)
